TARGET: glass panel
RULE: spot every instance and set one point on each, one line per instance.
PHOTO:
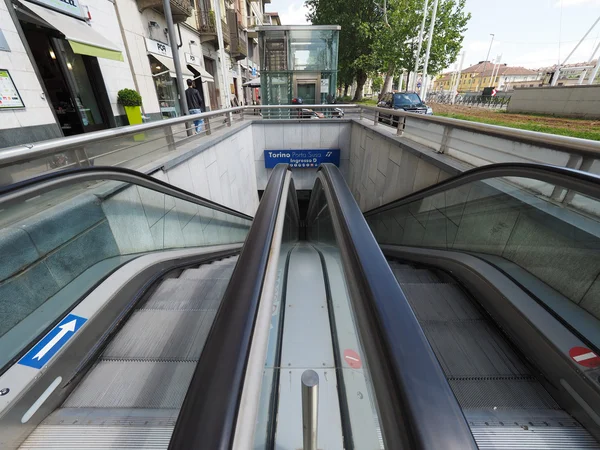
(57, 246)
(517, 219)
(79, 81)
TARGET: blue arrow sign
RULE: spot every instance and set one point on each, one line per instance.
(45, 349)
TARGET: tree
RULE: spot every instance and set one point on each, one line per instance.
(395, 39)
(377, 83)
(356, 17)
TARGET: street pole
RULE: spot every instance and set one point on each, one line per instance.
(595, 69)
(426, 63)
(224, 71)
(557, 72)
(487, 57)
(173, 41)
(455, 88)
(417, 60)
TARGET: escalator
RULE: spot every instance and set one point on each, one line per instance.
(131, 397)
(442, 320)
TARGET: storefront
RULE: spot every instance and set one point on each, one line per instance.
(66, 51)
(201, 77)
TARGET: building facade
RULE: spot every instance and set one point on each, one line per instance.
(485, 74)
(62, 63)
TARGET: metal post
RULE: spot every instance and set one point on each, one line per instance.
(426, 63)
(207, 126)
(175, 53)
(417, 62)
(376, 120)
(595, 69)
(557, 72)
(486, 60)
(401, 126)
(457, 81)
(310, 404)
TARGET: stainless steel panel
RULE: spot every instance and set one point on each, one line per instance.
(306, 331)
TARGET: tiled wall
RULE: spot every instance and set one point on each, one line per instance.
(309, 134)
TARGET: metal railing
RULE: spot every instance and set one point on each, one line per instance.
(142, 146)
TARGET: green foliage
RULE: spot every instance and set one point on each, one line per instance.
(129, 97)
(356, 17)
(531, 126)
(377, 83)
(382, 39)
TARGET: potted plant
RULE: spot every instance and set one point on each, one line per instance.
(131, 101)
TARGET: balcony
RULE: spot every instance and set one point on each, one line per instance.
(239, 41)
(207, 27)
(180, 9)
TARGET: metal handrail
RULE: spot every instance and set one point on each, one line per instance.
(417, 408)
(36, 150)
(208, 415)
(39, 185)
(564, 143)
(583, 182)
(28, 152)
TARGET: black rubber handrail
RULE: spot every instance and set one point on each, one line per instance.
(33, 187)
(417, 408)
(584, 182)
(207, 418)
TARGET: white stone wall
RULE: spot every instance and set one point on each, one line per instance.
(36, 111)
(310, 134)
(116, 74)
(136, 30)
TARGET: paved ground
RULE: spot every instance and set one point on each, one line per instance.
(517, 120)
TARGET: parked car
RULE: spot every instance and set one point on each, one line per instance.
(407, 101)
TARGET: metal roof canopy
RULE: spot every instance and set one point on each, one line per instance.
(298, 27)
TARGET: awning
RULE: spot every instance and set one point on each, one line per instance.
(253, 83)
(201, 73)
(83, 39)
(169, 66)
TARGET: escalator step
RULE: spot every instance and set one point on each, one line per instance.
(408, 274)
(533, 438)
(189, 295)
(129, 384)
(472, 349)
(498, 393)
(439, 302)
(162, 335)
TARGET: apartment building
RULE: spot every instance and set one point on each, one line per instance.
(63, 63)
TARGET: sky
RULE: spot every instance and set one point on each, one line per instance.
(528, 33)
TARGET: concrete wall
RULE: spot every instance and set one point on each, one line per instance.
(568, 101)
(301, 134)
(384, 168)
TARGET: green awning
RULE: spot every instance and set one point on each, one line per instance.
(82, 37)
(99, 52)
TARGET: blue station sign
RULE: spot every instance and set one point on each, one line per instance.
(303, 159)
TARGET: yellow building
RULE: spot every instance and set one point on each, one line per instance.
(475, 78)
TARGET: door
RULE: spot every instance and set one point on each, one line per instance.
(212, 90)
(84, 95)
(307, 91)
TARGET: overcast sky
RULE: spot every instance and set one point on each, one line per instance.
(527, 32)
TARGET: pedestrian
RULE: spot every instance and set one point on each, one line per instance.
(195, 104)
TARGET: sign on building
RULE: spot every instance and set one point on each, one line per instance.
(158, 48)
(193, 60)
(70, 7)
(9, 95)
(303, 159)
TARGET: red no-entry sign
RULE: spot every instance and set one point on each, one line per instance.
(352, 358)
(584, 357)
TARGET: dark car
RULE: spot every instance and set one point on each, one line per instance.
(407, 101)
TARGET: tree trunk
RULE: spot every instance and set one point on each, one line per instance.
(361, 79)
(346, 87)
(389, 80)
(407, 80)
